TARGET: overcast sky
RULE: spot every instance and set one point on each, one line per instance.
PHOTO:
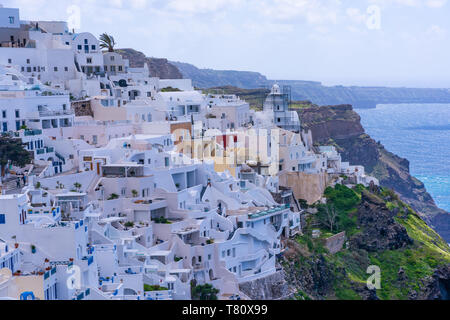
(349, 42)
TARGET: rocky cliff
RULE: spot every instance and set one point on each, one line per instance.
(160, 68)
(383, 232)
(341, 126)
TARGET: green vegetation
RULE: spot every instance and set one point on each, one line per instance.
(12, 151)
(161, 220)
(170, 89)
(113, 196)
(107, 42)
(300, 295)
(129, 224)
(402, 270)
(339, 213)
(203, 292)
(302, 105)
(148, 288)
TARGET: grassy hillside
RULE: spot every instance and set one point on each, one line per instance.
(406, 271)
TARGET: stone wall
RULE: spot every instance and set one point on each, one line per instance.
(82, 108)
(309, 187)
(335, 243)
(273, 287)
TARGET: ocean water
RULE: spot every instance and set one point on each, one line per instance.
(420, 133)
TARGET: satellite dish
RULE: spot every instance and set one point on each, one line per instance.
(123, 83)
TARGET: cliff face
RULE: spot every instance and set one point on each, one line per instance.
(207, 78)
(361, 97)
(341, 126)
(160, 68)
(413, 260)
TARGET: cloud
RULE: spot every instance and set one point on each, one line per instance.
(412, 3)
(355, 15)
(435, 30)
(436, 3)
(201, 6)
(312, 11)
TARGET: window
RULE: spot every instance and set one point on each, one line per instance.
(28, 61)
(80, 47)
(85, 41)
(4, 113)
(11, 20)
(9, 60)
(93, 47)
(2, 219)
(17, 113)
(89, 60)
(55, 69)
(112, 58)
(120, 68)
(66, 69)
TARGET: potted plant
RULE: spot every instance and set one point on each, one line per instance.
(33, 248)
(16, 245)
(134, 193)
(46, 260)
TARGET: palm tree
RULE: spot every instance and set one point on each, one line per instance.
(107, 42)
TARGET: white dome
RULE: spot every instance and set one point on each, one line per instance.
(276, 89)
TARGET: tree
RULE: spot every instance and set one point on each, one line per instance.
(107, 42)
(13, 151)
(328, 216)
(205, 292)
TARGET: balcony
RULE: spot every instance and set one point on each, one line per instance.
(48, 113)
(29, 133)
(269, 212)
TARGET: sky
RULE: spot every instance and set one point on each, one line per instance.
(347, 42)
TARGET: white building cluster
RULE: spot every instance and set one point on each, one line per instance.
(128, 197)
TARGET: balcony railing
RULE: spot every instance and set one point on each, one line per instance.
(36, 132)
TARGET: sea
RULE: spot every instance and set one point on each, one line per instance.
(419, 133)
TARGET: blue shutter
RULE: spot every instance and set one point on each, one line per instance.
(2, 219)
